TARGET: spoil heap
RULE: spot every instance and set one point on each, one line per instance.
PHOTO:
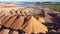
(33, 26)
(22, 18)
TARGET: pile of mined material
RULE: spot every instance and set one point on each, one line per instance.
(31, 24)
(20, 10)
(21, 19)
